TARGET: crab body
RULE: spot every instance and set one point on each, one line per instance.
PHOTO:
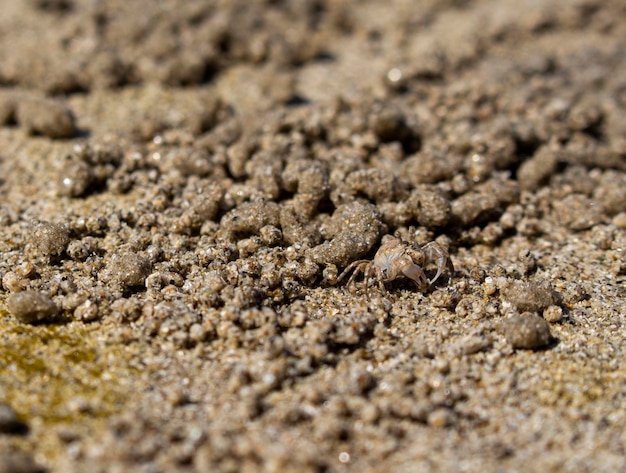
(397, 258)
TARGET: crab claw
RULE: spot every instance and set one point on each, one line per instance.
(435, 253)
(416, 273)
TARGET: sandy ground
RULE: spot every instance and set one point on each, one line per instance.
(182, 183)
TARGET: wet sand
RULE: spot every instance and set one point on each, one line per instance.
(182, 183)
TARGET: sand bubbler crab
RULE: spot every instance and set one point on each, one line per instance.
(397, 258)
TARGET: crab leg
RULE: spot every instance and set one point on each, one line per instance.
(377, 275)
(356, 265)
